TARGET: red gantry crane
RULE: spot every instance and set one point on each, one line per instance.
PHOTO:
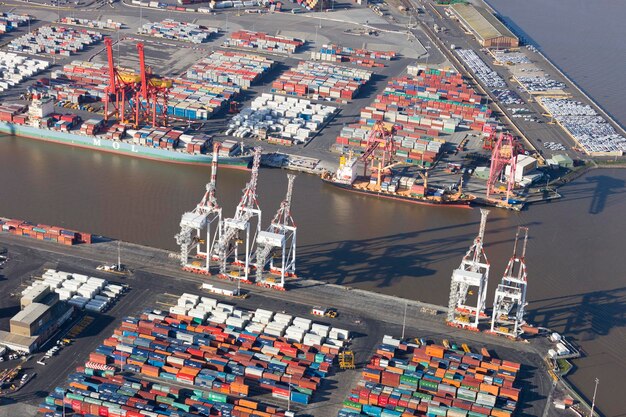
(381, 136)
(118, 90)
(151, 105)
(504, 153)
(145, 94)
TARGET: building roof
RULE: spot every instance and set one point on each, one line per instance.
(16, 341)
(525, 160)
(560, 158)
(484, 24)
(36, 292)
(31, 313)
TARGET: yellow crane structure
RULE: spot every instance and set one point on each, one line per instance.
(346, 360)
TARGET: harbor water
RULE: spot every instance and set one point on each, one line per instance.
(584, 39)
(575, 253)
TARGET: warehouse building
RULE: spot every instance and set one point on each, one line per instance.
(34, 325)
(487, 29)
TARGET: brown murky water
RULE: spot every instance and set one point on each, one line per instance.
(575, 257)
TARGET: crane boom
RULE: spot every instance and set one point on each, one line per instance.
(247, 208)
(280, 235)
(473, 272)
(142, 71)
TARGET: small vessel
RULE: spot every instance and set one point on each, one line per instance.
(394, 187)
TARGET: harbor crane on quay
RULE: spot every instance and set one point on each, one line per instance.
(207, 215)
(510, 299)
(135, 98)
(120, 88)
(381, 136)
(504, 153)
(228, 243)
(279, 236)
(151, 103)
(472, 273)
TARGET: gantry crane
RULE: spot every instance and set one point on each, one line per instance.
(504, 153)
(280, 236)
(151, 101)
(145, 94)
(207, 215)
(381, 136)
(472, 273)
(229, 241)
(120, 88)
(510, 299)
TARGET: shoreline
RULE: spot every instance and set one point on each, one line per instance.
(621, 129)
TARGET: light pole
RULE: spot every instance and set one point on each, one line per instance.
(289, 396)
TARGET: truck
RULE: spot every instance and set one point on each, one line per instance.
(324, 312)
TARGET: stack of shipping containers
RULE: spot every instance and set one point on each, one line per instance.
(221, 353)
(323, 80)
(264, 42)
(10, 21)
(363, 57)
(421, 107)
(430, 380)
(44, 232)
(230, 67)
(171, 29)
(55, 40)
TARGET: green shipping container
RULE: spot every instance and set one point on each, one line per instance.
(181, 406)
(217, 397)
(352, 405)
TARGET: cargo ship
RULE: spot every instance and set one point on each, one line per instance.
(13, 121)
(400, 188)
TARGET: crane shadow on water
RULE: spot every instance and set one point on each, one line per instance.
(605, 186)
(381, 262)
(583, 316)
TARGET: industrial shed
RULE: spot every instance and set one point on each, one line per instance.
(487, 29)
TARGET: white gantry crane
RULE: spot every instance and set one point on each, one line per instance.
(280, 236)
(229, 241)
(510, 299)
(472, 275)
(207, 215)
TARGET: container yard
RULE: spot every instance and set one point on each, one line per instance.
(201, 344)
(14, 69)
(421, 107)
(108, 24)
(44, 232)
(200, 100)
(188, 99)
(226, 67)
(363, 57)
(180, 31)
(55, 40)
(281, 120)
(590, 130)
(419, 379)
(205, 358)
(263, 42)
(80, 291)
(80, 81)
(10, 21)
(322, 81)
